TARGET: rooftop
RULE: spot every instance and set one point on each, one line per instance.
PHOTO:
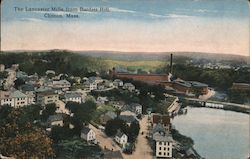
(85, 130)
(56, 117)
(164, 137)
(72, 95)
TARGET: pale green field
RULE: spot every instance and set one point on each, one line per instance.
(144, 65)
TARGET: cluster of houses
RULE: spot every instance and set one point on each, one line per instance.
(51, 88)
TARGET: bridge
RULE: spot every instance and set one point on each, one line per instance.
(216, 104)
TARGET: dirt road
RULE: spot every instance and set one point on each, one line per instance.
(143, 150)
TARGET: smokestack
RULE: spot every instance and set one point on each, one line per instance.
(171, 63)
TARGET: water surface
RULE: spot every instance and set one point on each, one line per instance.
(217, 134)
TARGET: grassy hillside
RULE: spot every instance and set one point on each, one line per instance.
(145, 65)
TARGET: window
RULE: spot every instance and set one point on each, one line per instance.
(160, 143)
(160, 148)
(164, 154)
(159, 153)
(164, 148)
(168, 148)
(168, 153)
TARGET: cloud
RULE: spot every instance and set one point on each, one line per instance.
(112, 9)
(206, 11)
(32, 19)
(169, 16)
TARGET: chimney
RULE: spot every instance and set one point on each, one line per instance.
(171, 63)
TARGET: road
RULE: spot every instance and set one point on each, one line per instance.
(143, 150)
(104, 141)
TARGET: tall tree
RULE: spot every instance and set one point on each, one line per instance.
(20, 138)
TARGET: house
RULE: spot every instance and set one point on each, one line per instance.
(90, 85)
(47, 97)
(62, 84)
(102, 100)
(50, 72)
(129, 86)
(163, 144)
(121, 138)
(88, 134)
(13, 98)
(95, 79)
(15, 67)
(136, 108)
(55, 120)
(118, 83)
(108, 83)
(31, 97)
(73, 97)
(107, 116)
(127, 117)
(2, 67)
(162, 119)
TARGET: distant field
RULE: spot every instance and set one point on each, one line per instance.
(145, 65)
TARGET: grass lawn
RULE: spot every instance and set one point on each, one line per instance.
(145, 65)
(101, 110)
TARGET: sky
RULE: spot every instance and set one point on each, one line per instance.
(214, 26)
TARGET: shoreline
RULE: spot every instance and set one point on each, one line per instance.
(225, 108)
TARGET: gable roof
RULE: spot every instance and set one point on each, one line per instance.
(85, 130)
(164, 119)
(72, 95)
(162, 137)
(120, 134)
(56, 117)
(127, 118)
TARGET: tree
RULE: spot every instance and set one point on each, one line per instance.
(113, 125)
(134, 130)
(20, 138)
(76, 148)
(18, 82)
(50, 109)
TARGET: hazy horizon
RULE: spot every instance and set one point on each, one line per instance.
(131, 26)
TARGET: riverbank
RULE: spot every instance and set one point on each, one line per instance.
(184, 146)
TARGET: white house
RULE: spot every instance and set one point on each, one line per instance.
(163, 144)
(88, 134)
(73, 97)
(121, 138)
(47, 97)
(13, 98)
(129, 86)
(90, 85)
(62, 84)
(2, 67)
(118, 83)
(136, 108)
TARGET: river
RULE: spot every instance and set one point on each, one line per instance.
(217, 134)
